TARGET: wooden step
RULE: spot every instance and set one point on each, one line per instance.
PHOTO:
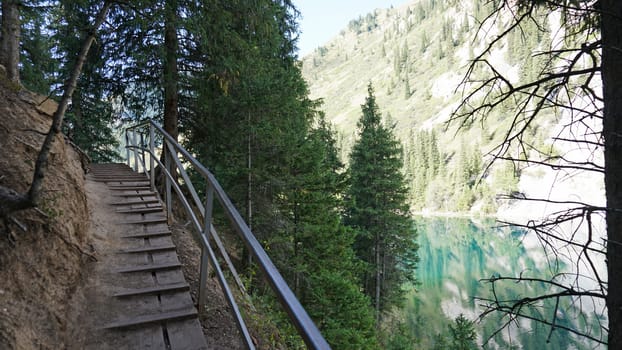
(148, 249)
(146, 319)
(148, 234)
(146, 221)
(169, 288)
(141, 210)
(150, 267)
(131, 183)
(148, 194)
(129, 188)
(143, 201)
(119, 179)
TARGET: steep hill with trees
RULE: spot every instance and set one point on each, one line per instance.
(416, 56)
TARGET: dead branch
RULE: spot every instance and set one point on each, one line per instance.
(567, 74)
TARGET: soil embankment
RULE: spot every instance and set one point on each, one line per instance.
(42, 264)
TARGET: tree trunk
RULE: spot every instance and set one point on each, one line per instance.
(378, 279)
(57, 120)
(249, 179)
(171, 74)
(9, 49)
(612, 131)
(170, 77)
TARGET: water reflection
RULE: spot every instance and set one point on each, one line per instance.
(455, 255)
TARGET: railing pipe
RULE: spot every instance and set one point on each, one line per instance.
(297, 314)
(184, 175)
(301, 320)
(212, 258)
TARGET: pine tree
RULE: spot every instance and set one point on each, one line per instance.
(377, 209)
(322, 266)
(463, 334)
(90, 117)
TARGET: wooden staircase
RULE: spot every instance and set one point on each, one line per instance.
(151, 306)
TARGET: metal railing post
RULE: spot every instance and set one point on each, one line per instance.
(135, 144)
(209, 205)
(169, 202)
(142, 152)
(151, 155)
(127, 147)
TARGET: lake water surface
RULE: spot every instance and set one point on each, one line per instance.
(455, 255)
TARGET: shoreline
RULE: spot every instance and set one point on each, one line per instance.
(453, 214)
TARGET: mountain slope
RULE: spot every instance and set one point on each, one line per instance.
(416, 57)
(414, 67)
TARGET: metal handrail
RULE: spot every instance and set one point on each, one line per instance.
(297, 314)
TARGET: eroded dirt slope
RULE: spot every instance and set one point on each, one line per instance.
(41, 267)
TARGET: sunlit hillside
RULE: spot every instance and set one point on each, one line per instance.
(416, 57)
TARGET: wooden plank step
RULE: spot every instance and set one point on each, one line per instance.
(150, 267)
(141, 210)
(124, 184)
(143, 201)
(122, 177)
(148, 234)
(129, 188)
(113, 171)
(149, 194)
(147, 249)
(156, 318)
(169, 288)
(146, 221)
(119, 179)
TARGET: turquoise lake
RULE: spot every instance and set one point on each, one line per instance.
(455, 255)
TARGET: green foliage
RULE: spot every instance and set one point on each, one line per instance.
(378, 211)
(38, 68)
(255, 127)
(89, 120)
(445, 182)
(440, 342)
(51, 36)
(397, 335)
(463, 334)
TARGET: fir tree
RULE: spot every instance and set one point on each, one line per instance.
(322, 266)
(377, 209)
(463, 334)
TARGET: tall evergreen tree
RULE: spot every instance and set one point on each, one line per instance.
(90, 117)
(322, 265)
(377, 209)
(463, 334)
(253, 127)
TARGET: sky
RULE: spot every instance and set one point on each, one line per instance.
(323, 19)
